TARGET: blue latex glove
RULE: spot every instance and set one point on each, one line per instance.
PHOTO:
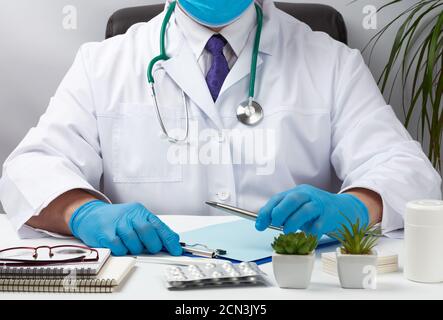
(311, 210)
(123, 228)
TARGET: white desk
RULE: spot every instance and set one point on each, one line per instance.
(145, 282)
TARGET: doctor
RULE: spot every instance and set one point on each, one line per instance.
(104, 163)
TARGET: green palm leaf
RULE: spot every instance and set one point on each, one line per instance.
(417, 55)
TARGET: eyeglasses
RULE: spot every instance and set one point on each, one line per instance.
(46, 255)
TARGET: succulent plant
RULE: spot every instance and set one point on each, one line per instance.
(295, 244)
(357, 238)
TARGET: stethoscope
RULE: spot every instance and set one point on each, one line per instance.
(249, 112)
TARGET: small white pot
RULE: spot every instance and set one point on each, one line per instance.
(357, 271)
(293, 271)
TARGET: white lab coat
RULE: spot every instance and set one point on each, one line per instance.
(332, 128)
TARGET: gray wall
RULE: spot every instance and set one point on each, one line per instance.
(36, 51)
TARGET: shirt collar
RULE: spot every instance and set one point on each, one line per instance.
(197, 35)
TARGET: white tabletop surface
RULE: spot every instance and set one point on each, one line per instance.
(146, 280)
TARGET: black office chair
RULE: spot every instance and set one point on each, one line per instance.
(318, 16)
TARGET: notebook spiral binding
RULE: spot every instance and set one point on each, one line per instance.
(56, 285)
(43, 273)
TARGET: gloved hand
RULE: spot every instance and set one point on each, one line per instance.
(311, 210)
(122, 228)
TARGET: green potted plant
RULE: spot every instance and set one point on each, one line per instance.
(294, 259)
(416, 61)
(356, 257)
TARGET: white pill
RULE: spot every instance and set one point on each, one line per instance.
(234, 274)
(243, 265)
(227, 266)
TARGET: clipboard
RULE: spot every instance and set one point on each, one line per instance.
(241, 241)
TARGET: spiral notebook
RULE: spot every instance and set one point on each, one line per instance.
(82, 270)
(110, 277)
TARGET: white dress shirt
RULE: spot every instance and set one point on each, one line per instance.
(198, 35)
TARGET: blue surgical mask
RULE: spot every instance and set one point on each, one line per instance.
(215, 13)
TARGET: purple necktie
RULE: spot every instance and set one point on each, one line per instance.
(219, 68)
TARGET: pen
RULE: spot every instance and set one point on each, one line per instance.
(242, 213)
(206, 253)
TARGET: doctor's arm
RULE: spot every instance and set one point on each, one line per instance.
(373, 202)
(381, 166)
(55, 217)
(121, 228)
(371, 149)
(61, 153)
(51, 181)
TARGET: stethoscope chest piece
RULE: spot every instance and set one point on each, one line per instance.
(250, 114)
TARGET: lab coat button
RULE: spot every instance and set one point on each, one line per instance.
(221, 137)
(223, 195)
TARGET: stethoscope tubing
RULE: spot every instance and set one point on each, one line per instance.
(163, 57)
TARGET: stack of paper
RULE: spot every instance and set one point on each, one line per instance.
(387, 262)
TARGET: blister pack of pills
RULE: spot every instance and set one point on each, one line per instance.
(214, 275)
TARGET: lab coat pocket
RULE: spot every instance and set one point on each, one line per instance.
(140, 153)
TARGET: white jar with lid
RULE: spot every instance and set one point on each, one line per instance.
(424, 241)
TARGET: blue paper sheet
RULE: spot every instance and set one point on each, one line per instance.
(240, 239)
